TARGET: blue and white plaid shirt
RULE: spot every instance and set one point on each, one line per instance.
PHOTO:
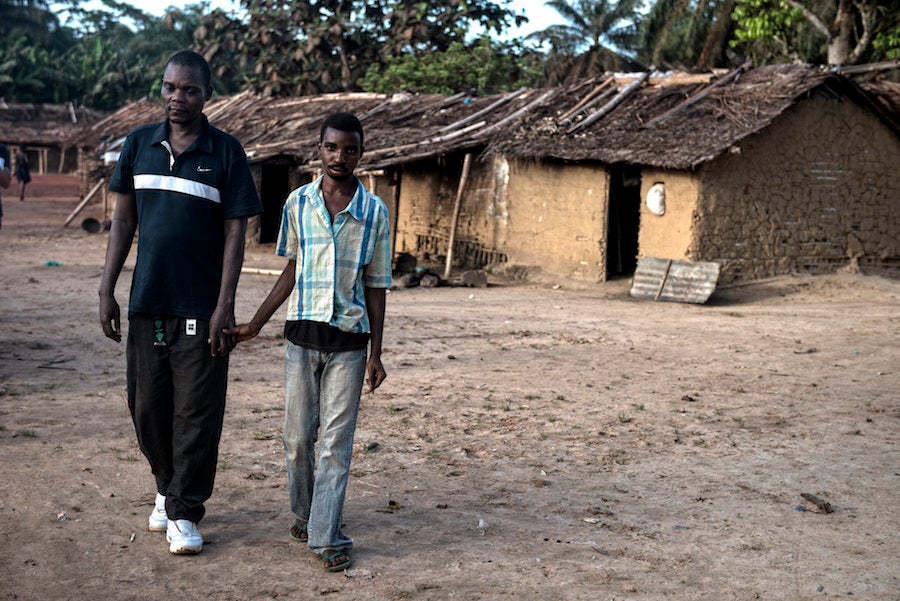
(335, 262)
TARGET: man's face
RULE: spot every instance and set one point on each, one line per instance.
(184, 94)
(340, 152)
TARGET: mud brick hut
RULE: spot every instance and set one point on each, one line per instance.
(45, 129)
(766, 171)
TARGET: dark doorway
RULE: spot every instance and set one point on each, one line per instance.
(624, 220)
(273, 190)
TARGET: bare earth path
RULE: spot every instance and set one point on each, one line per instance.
(530, 443)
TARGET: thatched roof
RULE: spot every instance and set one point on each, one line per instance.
(399, 127)
(886, 95)
(680, 125)
(670, 121)
(43, 124)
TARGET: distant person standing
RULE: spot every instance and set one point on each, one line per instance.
(188, 187)
(5, 176)
(23, 173)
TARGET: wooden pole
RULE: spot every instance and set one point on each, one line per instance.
(662, 282)
(584, 101)
(84, 202)
(519, 112)
(467, 163)
(503, 100)
(609, 106)
(259, 271)
(697, 97)
(394, 213)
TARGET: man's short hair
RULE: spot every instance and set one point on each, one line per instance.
(342, 122)
(192, 60)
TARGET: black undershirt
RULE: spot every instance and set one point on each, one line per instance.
(323, 337)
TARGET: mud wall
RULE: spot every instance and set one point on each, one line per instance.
(557, 217)
(814, 192)
(546, 215)
(282, 182)
(425, 211)
(670, 235)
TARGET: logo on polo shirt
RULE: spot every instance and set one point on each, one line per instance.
(201, 169)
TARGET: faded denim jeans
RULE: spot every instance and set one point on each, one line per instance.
(322, 395)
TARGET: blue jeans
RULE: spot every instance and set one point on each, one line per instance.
(322, 395)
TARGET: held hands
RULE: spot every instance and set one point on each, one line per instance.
(220, 341)
(243, 332)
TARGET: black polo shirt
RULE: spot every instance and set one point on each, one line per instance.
(182, 205)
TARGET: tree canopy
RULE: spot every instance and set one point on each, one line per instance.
(105, 57)
(834, 32)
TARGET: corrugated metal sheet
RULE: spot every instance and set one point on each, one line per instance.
(672, 280)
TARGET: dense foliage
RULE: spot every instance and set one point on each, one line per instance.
(482, 66)
(107, 56)
(835, 32)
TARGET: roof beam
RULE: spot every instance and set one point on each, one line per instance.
(609, 106)
(697, 97)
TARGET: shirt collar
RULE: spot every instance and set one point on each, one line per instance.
(354, 209)
(203, 141)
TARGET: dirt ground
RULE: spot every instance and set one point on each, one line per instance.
(533, 441)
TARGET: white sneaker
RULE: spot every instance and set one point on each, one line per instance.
(183, 537)
(158, 519)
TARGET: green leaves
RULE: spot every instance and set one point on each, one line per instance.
(887, 43)
(817, 31)
(105, 57)
(764, 19)
(323, 46)
(95, 59)
(481, 67)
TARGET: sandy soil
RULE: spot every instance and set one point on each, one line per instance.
(532, 442)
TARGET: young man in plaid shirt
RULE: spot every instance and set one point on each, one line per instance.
(335, 236)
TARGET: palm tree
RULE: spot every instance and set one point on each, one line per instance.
(592, 24)
(598, 37)
(687, 34)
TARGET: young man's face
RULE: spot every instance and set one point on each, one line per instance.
(340, 152)
(184, 94)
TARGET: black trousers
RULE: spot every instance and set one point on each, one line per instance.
(176, 395)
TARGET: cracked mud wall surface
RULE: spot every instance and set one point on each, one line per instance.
(537, 214)
(427, 194)
(814, 192)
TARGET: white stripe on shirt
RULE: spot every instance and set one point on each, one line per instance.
(170, 183)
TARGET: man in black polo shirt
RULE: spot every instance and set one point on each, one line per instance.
(187, 186)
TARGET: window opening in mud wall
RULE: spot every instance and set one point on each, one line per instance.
(273, 190)
(623, 220)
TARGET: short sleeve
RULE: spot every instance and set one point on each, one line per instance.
(288, 237)
(377, 274)
(123, 175)
(241, 199)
